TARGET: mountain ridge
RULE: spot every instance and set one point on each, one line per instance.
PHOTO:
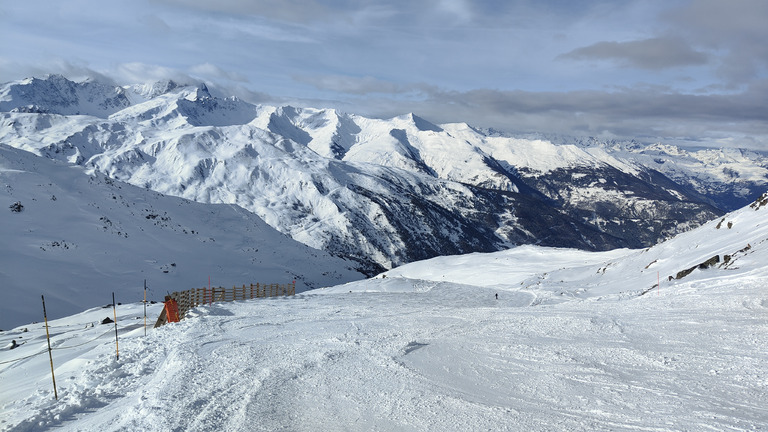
(384, 192)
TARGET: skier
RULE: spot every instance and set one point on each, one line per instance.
(171, 309)
(14, 344)
(497, 296)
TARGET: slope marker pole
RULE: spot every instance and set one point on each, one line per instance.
(50, 356)
(145, 307)
(114, 310)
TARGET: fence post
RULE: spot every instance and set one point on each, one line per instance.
(188, 298)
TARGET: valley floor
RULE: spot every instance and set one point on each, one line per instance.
(425, 357)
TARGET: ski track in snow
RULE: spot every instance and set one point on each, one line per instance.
(448, 357)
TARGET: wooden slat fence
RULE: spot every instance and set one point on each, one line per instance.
(200, 296)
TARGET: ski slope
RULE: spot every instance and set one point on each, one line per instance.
(576, 341)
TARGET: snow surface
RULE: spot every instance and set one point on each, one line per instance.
(576, 341)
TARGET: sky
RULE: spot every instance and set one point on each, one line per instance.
(691, 72)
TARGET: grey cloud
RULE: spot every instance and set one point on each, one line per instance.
(646, 113)
(736, 29)
(355, 85)
(154, 24)
(11, 70)
(285, 10)
(655, 53)
(720, 23)
(629, 113)
(214, 72)
(135, 72)
(731, 108)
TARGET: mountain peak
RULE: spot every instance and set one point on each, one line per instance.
(420, 123)
(199, 92)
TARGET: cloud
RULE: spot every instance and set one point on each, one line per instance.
(642, 112)
(654, 54)
(735, 29)
(736, 119)
(213, 72)
(137, 73)
(301, 11)
(461, 10)
(355, 85)
(71, 69)
(683, 68)
(154, 24)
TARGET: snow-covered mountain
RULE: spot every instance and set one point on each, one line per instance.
(379, 192)
(575, 340)
(77, 238)
(59, 95)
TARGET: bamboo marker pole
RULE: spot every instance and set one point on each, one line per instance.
(50, 355)
(114, 310)
(145, 307)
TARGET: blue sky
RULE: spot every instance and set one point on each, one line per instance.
(688, 71)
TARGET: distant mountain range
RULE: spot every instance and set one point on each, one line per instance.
(379, 192)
